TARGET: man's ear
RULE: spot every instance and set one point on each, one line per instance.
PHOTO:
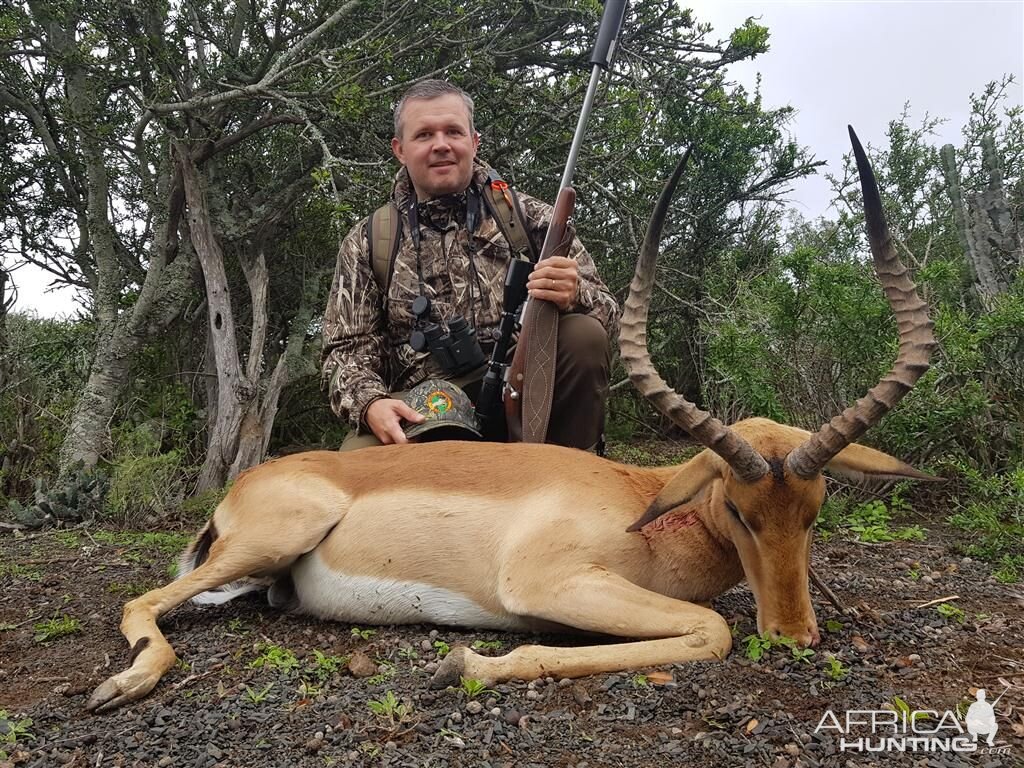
(476, 142)
(396, 147)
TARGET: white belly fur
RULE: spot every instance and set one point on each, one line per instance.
(368, 600)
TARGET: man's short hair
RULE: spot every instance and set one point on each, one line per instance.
(431, 89)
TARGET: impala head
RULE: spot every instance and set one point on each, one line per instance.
(764, 479)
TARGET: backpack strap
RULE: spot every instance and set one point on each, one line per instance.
(383, 234)
(503, 204)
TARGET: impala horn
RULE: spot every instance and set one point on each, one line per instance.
(747, 464)
(916, 340)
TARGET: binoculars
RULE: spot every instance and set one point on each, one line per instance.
(455, 349)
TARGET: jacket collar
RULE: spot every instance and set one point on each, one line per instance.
(402, 188)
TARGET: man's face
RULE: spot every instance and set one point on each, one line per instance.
(437, 146)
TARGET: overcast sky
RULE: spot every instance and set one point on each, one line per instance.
(836, 62)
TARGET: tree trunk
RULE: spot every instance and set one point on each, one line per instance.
(5, 306)
(88, 436)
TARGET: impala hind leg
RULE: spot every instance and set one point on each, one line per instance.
(597, 601)
(245, 550)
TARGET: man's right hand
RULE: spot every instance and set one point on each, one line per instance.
(384, 418)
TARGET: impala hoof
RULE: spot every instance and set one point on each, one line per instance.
(452, 668)
(121, 689)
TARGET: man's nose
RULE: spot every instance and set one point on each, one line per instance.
(441, 142)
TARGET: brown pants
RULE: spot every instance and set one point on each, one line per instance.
(582, 369)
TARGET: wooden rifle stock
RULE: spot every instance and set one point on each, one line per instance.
(531, 376)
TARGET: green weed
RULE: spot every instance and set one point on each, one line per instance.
(473, 688)
(258, 697)
(950, 611)
(275, 657)
(363, 634)
(390, 708)
(325, 666)
(487, 645)
(55, 628)
(835, 669)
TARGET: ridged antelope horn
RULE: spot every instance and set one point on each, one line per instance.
(746, 463)
(916, 340)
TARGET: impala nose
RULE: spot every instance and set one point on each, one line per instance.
(805, 637)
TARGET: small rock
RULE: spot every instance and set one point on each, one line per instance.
(927, 580)
(474, 707)
(314, 745)
(532, 695)
(214, 751)
(581, 696)
(792, 749)
(361, 666)
(164, 761)
(455, 717)
(565, 682)
(512, 716)
(496, 711)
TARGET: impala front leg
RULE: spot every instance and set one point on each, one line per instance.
(596, 601)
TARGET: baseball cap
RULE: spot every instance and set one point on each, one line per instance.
(450, 414)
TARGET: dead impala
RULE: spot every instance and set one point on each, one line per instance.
(566, 541)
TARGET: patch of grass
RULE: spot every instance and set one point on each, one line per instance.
(53, 629)
(757, 646)
(156, 541)
(869, 521)
(15, 730)
(387, 671)
(258, 697)
(473, 688)
(390, 708)
(991, 509)
(833, 626)
(442, 648)
(408, 653)
(67, 539)
(951, 612)
(487, 645)
(275, 657)
(16, 571)
(640, 681)
(129, 589)
(325, 666)
(835, 669)
(802, 654)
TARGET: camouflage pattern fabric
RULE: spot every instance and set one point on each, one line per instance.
(366, 353)
(444, 405)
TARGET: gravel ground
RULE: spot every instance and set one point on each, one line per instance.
(257, 687)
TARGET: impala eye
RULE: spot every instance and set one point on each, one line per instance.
(735, 512)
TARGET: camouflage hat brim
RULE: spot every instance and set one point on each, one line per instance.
(443, 405)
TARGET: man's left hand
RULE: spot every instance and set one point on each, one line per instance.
(555, 279)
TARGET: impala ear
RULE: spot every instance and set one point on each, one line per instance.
(858, 463)
(692, 478)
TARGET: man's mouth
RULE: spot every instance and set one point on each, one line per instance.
(442, 164)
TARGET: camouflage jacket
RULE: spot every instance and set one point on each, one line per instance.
(366, 352)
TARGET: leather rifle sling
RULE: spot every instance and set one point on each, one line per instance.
(539, 342)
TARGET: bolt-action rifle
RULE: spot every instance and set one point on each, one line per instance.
(530, 379)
